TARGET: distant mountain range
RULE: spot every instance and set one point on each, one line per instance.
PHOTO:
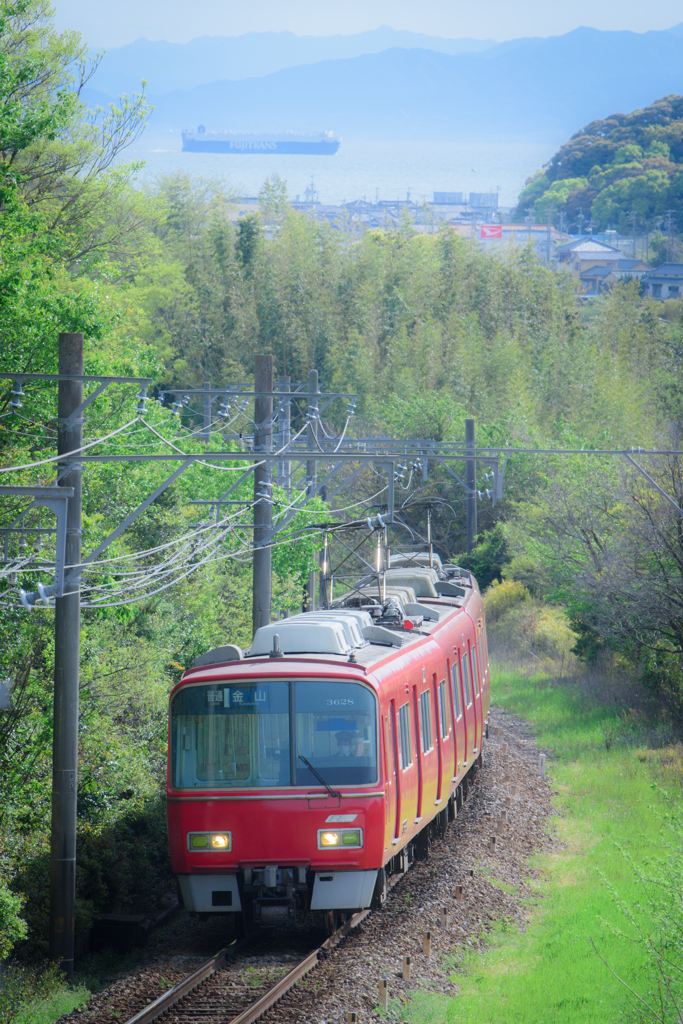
(535, 88)
(167, 67)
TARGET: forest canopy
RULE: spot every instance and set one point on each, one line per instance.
(614, 168)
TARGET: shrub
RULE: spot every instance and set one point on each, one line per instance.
(123, 865)
(12, 927)
(528, 571)
(24, 985)
(524, 628)
(501, 597)
(488, 558)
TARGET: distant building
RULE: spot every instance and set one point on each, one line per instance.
(601, 278)
(451, 198)
(584, 253)
(665, 282)
(484, 200)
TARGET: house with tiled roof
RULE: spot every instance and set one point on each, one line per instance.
(601, 278)
(665, 282)
(586, 252)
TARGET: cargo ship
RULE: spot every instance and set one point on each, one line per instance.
(202, 141)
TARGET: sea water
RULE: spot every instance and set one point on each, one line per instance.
(361, 168)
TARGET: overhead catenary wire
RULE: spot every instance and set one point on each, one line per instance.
(199, 462)
(66, 455)
(214, 543)
(155, 575)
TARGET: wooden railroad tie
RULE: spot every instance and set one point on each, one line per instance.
(383, 993)
(406, 968)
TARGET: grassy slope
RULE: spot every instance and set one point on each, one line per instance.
(605, 803)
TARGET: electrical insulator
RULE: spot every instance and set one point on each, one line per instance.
(140, 409)
(17, 395)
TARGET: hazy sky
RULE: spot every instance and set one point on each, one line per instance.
(113, 24)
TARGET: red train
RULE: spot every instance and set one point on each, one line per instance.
(306, 771)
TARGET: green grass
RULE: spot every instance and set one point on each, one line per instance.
(49, 1010)
(549, 972)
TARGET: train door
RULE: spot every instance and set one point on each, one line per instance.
(486, 681)
(469, 708)
(389, 781)
(428, 745)
(418, 758)
(394, 772)
(443, 733)
(478, 699)
(458, 710)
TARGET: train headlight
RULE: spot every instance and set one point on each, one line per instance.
(350, 838)
(206, 842)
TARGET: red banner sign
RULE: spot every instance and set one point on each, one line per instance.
(491, 231)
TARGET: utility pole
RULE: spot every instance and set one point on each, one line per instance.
(669, 235)
(549, 213)
(206, 428)
(284, 473)
(263, 507)
(311, 465)
(471, 481)
(67, 660)
(633, 219)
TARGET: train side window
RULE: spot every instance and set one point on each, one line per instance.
(443, 709)
(475, 670)
(456, 690)
(466, 680)
(426, 731)
(404, 744)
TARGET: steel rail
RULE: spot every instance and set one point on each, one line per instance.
(168, 999)
(264, 1002)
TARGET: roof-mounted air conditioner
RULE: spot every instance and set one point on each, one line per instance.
(298, 636)
(352, 627)
(231, 652)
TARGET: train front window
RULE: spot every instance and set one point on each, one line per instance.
(336, 732)
(239, 736)
(231, 735)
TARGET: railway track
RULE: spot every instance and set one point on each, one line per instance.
(237, 985)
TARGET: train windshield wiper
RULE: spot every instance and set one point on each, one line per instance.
(318, 776)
